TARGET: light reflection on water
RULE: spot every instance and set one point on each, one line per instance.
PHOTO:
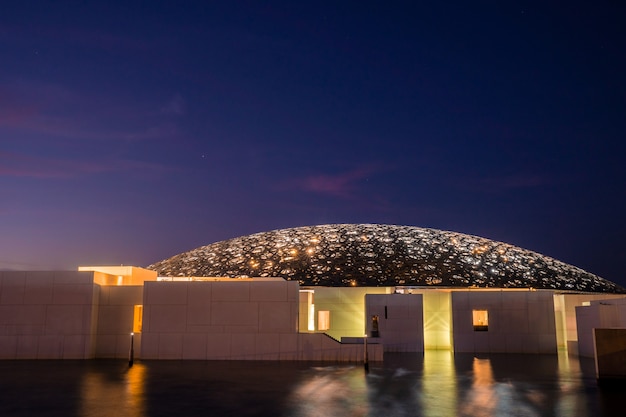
(97, 390)
(438, 383)
(330, 391)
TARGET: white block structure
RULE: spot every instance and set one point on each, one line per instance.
(228, 319)
(400, 321)
(234, 319)
(598, 314)
(485, 321)
(47, 315)
(97, 311)
(116, 320)
(92, 314)
(503, 321)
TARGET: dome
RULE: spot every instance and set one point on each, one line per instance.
(381, 255)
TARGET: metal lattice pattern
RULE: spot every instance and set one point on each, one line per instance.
(381, 255)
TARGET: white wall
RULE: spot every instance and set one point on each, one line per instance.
(115, 321)
(519, 321)
(47, 315)
(402, 328)
(219, 320)
(565, 310)
(234, 320)
(608, 313)
(346, 306)
(609, 349)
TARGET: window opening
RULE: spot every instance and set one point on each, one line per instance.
(480, 320)
(137, 318)
(323, 320)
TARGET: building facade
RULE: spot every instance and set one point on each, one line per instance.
(343, 287)
(95, 312)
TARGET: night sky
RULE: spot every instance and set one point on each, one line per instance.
(133, 131)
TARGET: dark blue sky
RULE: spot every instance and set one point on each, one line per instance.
(132, 132)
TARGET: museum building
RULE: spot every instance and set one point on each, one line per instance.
(312, 293)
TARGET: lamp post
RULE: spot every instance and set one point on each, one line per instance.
(366, 364)
(131, 354)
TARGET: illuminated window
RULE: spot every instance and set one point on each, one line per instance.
(481, 320)
(311, 324)
(323, 320)
(137, 320)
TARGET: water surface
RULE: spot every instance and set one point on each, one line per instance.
(433, 384)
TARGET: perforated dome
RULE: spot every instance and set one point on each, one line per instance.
(381, 255)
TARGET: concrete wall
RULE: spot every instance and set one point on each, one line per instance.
(54, 315)
(565, 316)
(519, 321)
(47, 315)
(218, 320)
(600, 314)
(115, 321)
(120, 275)
(320, 347)
(347, 308)
(400, 320)
(610, 353)
(65, 315)
(232, 320)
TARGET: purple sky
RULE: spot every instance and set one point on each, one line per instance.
(129, 134)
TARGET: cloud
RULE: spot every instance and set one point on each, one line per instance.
(343, 185)
(27, 166)
(52, 110)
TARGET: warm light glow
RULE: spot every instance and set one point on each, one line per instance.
(135, 390)
(311, 324)
(482, 398)
(129, 392)
(480, 320)
(323, 320)
(437, 320)
(358, 250)
(137, 319)
(438, 395)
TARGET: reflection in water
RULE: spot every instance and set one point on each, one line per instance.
(438, 383)
(487, 397)
(480, 399)
(568, 403)
(572, 382)
(126, 388)
(330, 391)
(135, 389)
(393, 391)
(520, 391)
